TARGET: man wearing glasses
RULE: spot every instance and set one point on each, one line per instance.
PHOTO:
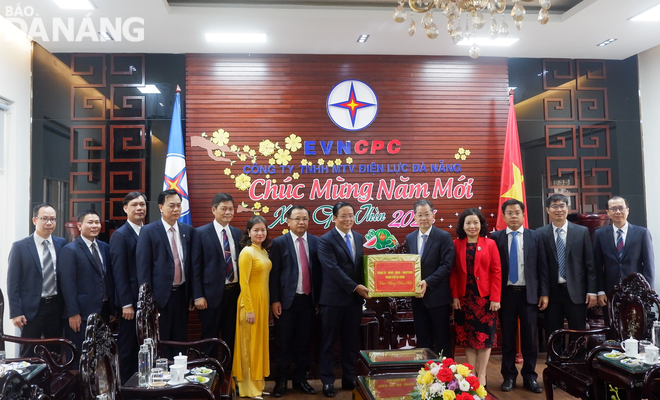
(35, 301)
(621, 249)
(572, 275)
(294, 290)
(431, 307)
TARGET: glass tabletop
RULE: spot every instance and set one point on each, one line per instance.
(388, 386)
(398, 356)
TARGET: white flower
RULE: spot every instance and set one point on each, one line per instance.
(476, 397)
(453, 368)
(459, 377)
(435, 369)
(437, 388)
(464, 385)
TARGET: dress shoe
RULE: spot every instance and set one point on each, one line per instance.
(508, 384)
(329, 390)
(304, 387)
(347, 385)
(279, 389)
(532, 386)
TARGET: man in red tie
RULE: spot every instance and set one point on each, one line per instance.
(215, 274)
(294, 295)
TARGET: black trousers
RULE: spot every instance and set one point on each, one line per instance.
(221, 321)
(514, 307)
(432, 327)
(345, 322)
(174, 322)
(561, 307)
(78, 337)
(48, 323)
(293, 336)
(127, 344)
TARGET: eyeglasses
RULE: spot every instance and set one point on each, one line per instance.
(558, 206)
(47, 220)
(424, 215)
(619, 209)
(305, 220)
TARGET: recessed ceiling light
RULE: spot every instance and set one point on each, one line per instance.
(236, 37)
(605, 43)
(148, 89)
(75, 4)
(484, 41)
(652, 14)
(363, 38)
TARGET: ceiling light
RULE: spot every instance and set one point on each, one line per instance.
(363, 38)
(148, 89)
(652, 14)
(474, 18)
(486, 42)
(605, 43)
(106, 36)
(236, 37)
(75, 4)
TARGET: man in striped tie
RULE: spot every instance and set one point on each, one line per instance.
(621, 249)
(35, 303)
(572, 275)
(215, 273)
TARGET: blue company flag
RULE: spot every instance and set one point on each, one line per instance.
(175, 162)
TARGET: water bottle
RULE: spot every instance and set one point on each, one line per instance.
(143, 366)
(152, 351)
(655, 334)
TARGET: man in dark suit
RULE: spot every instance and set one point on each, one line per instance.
(431, 308)
(293, 290)
(86, 277)
(35, 301)
(621, 249)
(572, 275)
(525, 289)
(342, 293)
(122, 254)
(164, 262)
(215, 274)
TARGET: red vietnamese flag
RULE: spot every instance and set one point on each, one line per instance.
(512, 185)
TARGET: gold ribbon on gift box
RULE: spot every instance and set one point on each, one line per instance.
(392, 275)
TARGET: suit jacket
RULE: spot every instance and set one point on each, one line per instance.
(283, 279)
(123, 243)
(535, 264)
(580, 271)
(637, 256)
(81, 280)
(437, 262)
(340, 273)
(209, 268)
(155, 262)
(25, 276)
(487, 269)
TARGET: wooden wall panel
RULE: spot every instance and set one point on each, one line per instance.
(433, 105)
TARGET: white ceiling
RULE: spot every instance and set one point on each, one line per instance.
(331, 30)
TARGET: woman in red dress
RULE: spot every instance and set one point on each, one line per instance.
(475, 280)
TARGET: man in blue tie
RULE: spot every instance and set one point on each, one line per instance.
(525, 290)
(342, 293)
(621, 249)
(572, 275)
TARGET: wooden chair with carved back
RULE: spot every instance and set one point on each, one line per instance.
(632, 307)
(99, 371)
(147, 327)
(59, 381)
(13, 386)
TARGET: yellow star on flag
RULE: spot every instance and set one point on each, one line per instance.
(515, 191)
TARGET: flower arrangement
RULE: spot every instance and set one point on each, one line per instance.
(448, 381)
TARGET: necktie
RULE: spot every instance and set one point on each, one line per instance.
(304, 267)
(561, 254)
(229, 272)
(513, 258)
(619, 243)
(350, 246)
(177, 260)
(50, 284)
(421, 249)
(99, 266)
